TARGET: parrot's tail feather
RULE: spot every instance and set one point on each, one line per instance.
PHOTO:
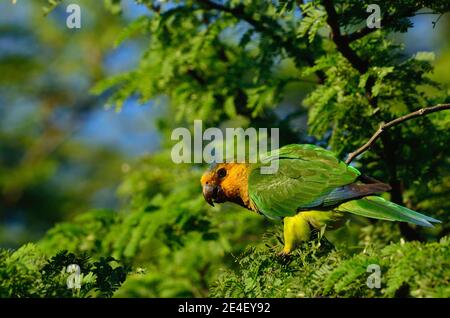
(354, 191)
(379, 208)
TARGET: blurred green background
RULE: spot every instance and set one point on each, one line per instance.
(62, 152)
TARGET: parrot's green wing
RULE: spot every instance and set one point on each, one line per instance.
(379, 208)
(308, 176)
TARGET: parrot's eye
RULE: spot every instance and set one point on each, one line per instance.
(221, 173)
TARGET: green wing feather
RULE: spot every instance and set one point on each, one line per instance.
(306, 175)
(311, 177)
(379, 208)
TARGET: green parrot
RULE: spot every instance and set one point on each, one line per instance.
(311, 189)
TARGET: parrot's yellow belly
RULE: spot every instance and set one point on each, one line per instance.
(318, 219)
(298, 228)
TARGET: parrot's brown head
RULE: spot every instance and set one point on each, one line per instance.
(226, 182)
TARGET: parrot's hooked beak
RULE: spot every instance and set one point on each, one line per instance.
(213, 193)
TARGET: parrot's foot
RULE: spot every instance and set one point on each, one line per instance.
(284, 256)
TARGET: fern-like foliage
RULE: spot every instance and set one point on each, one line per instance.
(406, 270)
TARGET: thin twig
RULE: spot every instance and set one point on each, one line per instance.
(395, 122)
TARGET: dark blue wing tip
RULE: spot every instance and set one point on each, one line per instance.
(432, 220)
(427, 222)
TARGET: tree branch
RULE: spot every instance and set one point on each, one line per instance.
(362, 66)
(389, 147)
(341, 41)
(269, 27)
(343, 45)
(395, 122)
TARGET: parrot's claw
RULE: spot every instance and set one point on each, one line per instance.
(283, 255)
